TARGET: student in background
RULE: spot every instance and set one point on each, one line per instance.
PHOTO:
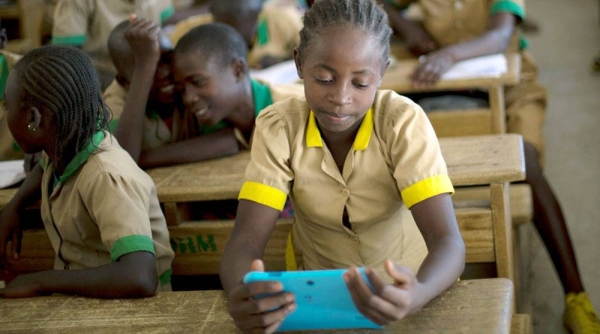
(87, 24)
(270, 30)
(144, 98)
(9, 150)
(456, 32)
(100, 210)
(353, 160)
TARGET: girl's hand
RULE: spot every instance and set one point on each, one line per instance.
(389, 302)
(24, 286)
(10, 230)
(259, 315)
(143, 37)
(418, 41)
(431, 68)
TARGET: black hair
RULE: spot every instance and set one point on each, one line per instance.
(235, 7)
(119, 50)
(364, 14)
(217, 41)
(62, 80)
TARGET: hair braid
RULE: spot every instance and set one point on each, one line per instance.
(63, 80)
(363, 14)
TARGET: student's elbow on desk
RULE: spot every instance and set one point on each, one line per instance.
(139, 277)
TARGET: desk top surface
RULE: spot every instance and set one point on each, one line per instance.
(470, 160)
(397, 77)
(468, 307)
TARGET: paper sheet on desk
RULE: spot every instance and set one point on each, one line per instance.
(11, 172)
(491, 66)
(278, 74)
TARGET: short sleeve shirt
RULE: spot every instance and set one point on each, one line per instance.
(394, 163)
(9, 150)
(278, 32)
(455, 21)
(88, 23)
(103, 207)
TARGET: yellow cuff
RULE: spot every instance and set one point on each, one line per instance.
(263, 194)
(424, 189)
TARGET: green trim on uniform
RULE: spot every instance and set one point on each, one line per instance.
(16, 147)
(395, 4)
(113, 125)
(3, 75)
(68, 40)
(262, 37)
(206, 129)
(81, 157)
(504, 6)
(167, 13)
(523, 43)
(130, 244)
(261, 95)
(165, 278)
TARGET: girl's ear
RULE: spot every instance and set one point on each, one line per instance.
(240, 69)
(35, 119)
(383, 69)
(298, 63)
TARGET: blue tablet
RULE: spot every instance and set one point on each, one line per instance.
(322, 298)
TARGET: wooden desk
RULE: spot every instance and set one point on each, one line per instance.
(468, 307)
(460, 122)
(6, 195)
(491, 160)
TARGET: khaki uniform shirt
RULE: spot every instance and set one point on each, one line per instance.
(394, 163)
(278, 32)
(88, 23)
(455, 21)
(157, 133)
(9, 150)
(103, 207)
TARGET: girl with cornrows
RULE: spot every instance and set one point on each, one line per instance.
(354, 160)
(99, 209)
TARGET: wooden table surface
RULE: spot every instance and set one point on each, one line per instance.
(472, 306)
(470, 160)
(397, 78)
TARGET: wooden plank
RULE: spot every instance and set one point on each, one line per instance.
(6, 195)
(467, 307)
(521, 202)
(199, 246)
(484, 159)
(502, 230)
(475, 226)
(521, 324)
(496, 98)
(450, 123)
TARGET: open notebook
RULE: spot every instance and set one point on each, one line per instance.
(278, 74)
(11, 172)
(491, 66)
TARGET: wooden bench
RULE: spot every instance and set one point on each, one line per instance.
(470, 306)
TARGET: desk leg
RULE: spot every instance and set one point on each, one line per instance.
(496, 96)
(502, 229)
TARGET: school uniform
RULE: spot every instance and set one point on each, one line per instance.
(157, 132)
(454, 21)
(394, 163)
(9, 150)
(103, 207)
(278, 32)
(88, 23)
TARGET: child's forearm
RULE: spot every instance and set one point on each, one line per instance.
(495, 40)
(441, 268)
(133, 276)
(205, 147)
(129, 131)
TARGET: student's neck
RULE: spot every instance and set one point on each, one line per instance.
(339, 143)
(243, 116)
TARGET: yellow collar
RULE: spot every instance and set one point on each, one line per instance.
(313, 136)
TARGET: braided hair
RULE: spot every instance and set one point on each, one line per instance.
(363, 14)
(63, 80)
